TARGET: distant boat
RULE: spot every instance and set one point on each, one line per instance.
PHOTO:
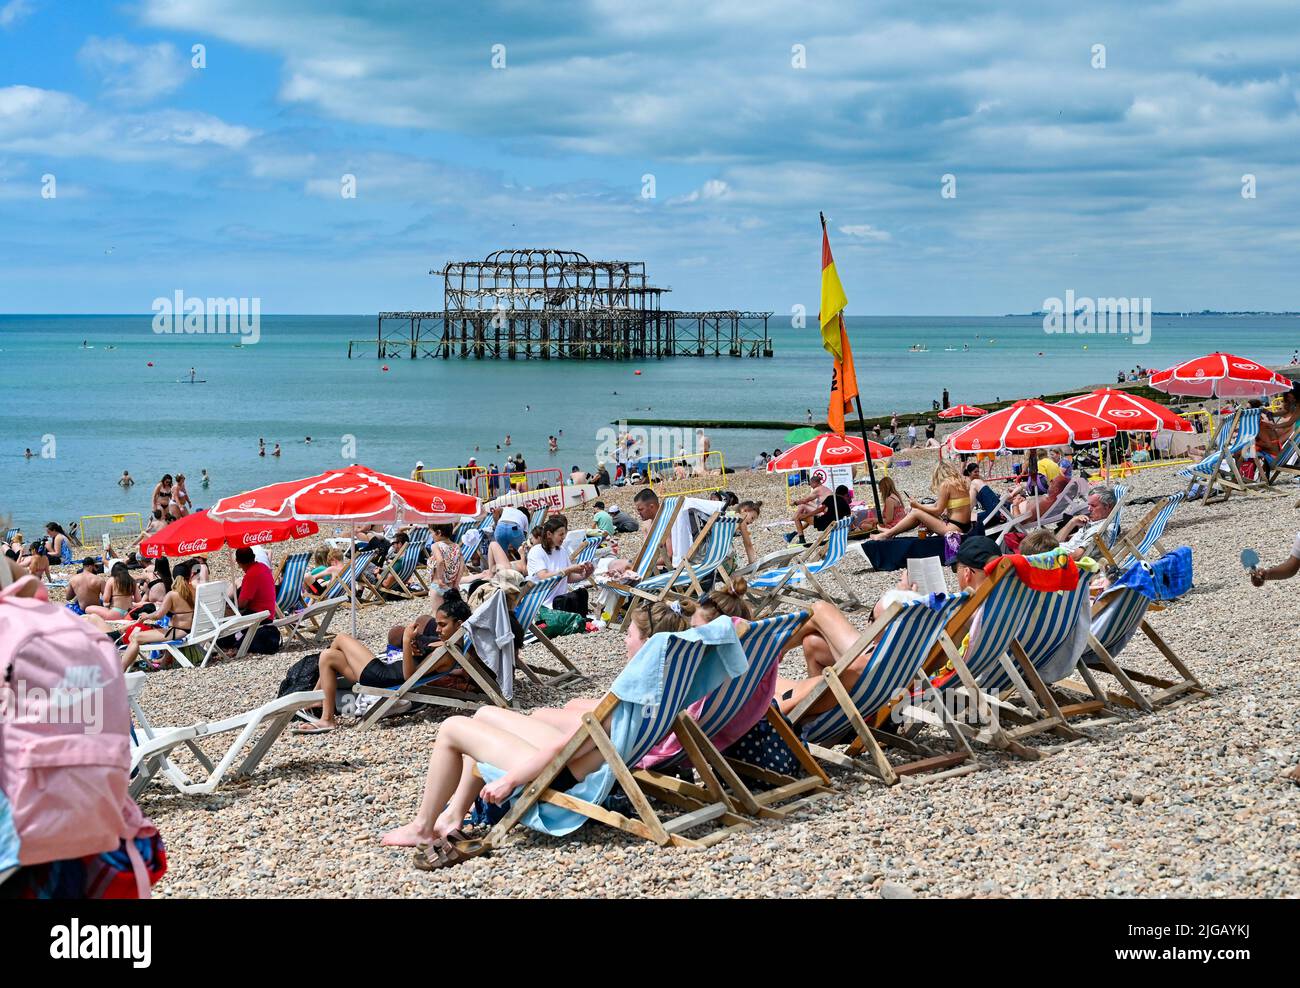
(918, 348)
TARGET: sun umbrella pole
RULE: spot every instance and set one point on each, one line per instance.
(352, 577)
(871, 470)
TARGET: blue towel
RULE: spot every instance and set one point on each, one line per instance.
(640, 685)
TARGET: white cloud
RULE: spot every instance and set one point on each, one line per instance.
(864, 231)
(133, 74)
(714, 188)
(13, 12)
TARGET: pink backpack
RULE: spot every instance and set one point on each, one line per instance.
(65, 747)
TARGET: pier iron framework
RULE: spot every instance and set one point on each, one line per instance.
(558, 305)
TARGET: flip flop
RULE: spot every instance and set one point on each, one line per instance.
(312, 728)
(446, 852)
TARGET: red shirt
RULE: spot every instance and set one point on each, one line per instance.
(257, 592)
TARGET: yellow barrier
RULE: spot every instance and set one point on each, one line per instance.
(698, 467)
(92, 528)
(467, 480)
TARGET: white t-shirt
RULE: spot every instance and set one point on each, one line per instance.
(513, 516)
(540, 560)
(1295, 549)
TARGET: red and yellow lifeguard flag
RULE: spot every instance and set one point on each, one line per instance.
(844, 383)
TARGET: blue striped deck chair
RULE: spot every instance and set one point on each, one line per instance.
(1109, 530)
(538, 517)
(1148, 532)
(10, 533)
(798, 582)
(426, 687)
(899, 642)
(339, 587)
(401, 576)
(526, 611)
(713, 547)
(764, 642)
(653, 549)
(1286, 462)
(1005, 606)
(308, 624)
(293, 577)
(1219, 470)
(1117, 615)
(1229, 477)
(687, 673)
(587, 551)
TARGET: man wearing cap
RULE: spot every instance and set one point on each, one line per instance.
(623, 522)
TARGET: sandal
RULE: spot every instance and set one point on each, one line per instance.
(312, 727)
(446, 852)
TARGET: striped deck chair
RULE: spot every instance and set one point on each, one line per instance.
(424, 686)
(1286, 462)
(538, 517)
(798, 582)
(763, 641)
(404, 571)
(653, 549)
(587, 551)
(1005, 606)
(339, 586)
(10, 533)
(646, 726)
(526, 611)
(1117, 615)
(1147, 533)
(309, 624)
(899, 640)
(712, 546)
(1219, 470)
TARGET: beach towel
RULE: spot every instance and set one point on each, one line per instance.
(685, 529)
(493, 638)
(1051, 570)
(640, 686)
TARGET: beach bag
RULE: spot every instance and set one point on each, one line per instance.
(65, 736)
(301, 676)
(1172, 574)
(558, 623)
(266, 641)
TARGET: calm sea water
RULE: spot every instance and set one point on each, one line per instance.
(107, 410)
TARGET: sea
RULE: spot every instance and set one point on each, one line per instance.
(92, 396)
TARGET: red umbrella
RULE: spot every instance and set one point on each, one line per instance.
(200, 533)
(1128, 412)
(962, 412)
(1220, 375)
(1029, 424)
(828, 450)
(353, 493)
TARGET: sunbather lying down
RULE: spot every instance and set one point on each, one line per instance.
(520, 744)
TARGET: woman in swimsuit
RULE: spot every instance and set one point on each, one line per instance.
(949, 515)
(57, 543)
(520, 744)
(162, 494)
(352, 660)
(178, 604)
(120, 595)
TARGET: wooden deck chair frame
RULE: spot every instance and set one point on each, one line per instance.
(1131, 541)
(402, 587)
(666, 592)
(651, 552)
(1166, 690)
(794, 591)
(540, 675)
(788, 794)
(868, 730)
(787, 562)
(1287, 461)
(1232, 481)
(1223, 439)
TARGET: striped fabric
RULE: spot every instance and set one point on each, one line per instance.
(1214, 457)
(895, 661)
(716, 550)
(837, 544)
(1049, 626)
(420, 535)
(587, 551)
(339, 588)
(532, 600)
(288, 597)
(407, 562)
(763, 643)
(538, 517)
(10, 533)
(1157, 527)
(1005, 614)
(667, 514)
(682, 659)
(1112, 533)
(1117, 623)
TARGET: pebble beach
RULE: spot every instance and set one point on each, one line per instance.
(1183, 802)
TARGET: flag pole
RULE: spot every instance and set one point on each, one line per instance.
(862, 427)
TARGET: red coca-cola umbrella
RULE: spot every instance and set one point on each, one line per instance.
(200, 533)
(1128, 412)
(1029, 424)
(827, 450)
(353, 494)
(1221, 375)
(962, 412)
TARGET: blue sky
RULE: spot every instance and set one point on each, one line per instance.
(224, 180)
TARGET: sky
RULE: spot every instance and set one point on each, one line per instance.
(1103, 151)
